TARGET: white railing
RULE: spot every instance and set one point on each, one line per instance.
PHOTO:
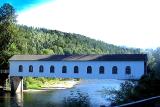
(149, 101)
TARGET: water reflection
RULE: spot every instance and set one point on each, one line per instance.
(87, 93)
(19, 99)
(8, 100)
(45, 99)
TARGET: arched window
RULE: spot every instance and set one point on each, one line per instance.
(41, 69)
(76, 70)
(30, 68)
(101, 69)
(128, 70)
(114, 70)
(52, 69)
(89, 70)
(64, 69)
(20, 68)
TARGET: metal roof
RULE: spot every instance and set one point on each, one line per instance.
(92, 57)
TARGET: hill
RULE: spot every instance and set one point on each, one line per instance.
(43, 41)
(29, 40)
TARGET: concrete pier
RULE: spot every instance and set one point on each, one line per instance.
(16, 84)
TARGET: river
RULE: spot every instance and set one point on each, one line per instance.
(88, 92)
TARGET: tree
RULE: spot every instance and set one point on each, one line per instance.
(7, 19)
(124, 95)
(7, 25)
(47, 51)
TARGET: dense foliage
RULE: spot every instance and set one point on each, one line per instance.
(77, 99)
(43, 41)
(123, 95)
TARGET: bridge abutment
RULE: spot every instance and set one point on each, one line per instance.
(16, 84)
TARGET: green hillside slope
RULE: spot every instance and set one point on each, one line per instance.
(43, 41)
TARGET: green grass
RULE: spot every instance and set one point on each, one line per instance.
(33, 86)
(38, 83)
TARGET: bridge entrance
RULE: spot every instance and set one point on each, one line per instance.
(4, 74)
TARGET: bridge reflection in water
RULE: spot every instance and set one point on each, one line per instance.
(7, 100)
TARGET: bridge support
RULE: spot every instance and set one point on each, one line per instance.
(16, 84)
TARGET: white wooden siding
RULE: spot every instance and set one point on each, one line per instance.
(137, 69)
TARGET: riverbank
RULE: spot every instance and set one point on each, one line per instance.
(49, 86)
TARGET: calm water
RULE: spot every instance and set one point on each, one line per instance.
(88, 93)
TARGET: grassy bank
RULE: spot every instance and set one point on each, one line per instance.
(39, 83)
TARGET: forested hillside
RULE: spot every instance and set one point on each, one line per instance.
(43, 41)
(18, 39)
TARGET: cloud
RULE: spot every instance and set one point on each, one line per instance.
(121, 22)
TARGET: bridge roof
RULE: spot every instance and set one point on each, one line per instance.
(92, 57)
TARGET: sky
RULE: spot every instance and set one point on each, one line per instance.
(130, 23)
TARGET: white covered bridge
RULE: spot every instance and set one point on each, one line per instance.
(112, 66)
(115, 66)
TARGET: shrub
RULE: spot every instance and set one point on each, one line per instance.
(77, 99)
